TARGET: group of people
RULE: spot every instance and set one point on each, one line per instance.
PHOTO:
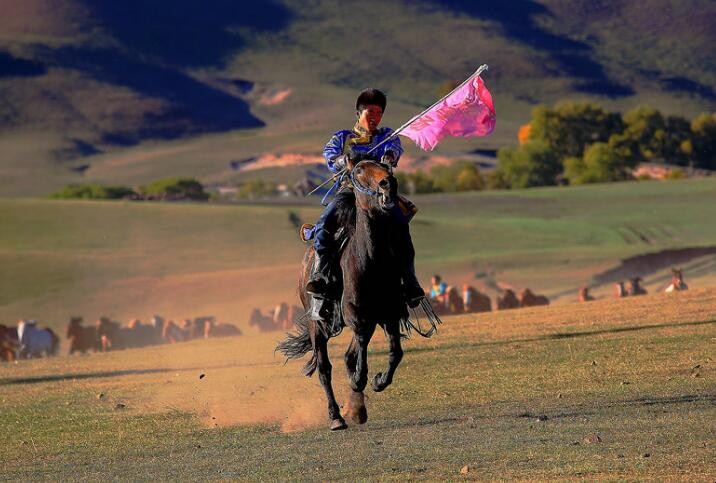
(26, 340)
(448, 299)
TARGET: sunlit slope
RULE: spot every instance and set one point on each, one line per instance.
(124, 259)
(613, 389)
(189, 88)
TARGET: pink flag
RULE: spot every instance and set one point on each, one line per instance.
(467, 111)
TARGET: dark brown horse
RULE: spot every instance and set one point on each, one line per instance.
(370, 297)
(474, 300)
(530, 299)
(9, 344)
(82, 338)
(508, 300)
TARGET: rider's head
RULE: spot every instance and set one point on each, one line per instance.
(436, 279)
(370, 106)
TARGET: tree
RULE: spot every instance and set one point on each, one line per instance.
(601, 163)
(533, 164)
(703, 128)
(174, 189)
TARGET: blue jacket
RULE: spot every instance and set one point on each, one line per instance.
(336, 146)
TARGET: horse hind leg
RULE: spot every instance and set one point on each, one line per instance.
(383, 380)
(320, 347)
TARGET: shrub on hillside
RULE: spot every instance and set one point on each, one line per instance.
(93, 191)
(174, 189)
(256, 188)
(458, 176)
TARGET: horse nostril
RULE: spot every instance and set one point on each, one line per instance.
(384, 183)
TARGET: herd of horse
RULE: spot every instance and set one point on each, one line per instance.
(27, 340)
(470, 300)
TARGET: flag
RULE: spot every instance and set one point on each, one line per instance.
(466, 111)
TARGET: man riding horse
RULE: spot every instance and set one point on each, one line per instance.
(345, 149)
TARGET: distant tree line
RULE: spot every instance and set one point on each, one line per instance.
(167, 189)
(458, 176)
(578, 142)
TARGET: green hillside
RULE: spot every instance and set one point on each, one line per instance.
(138, 93)
(130, 259)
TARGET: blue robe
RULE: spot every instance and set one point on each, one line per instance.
(336, 146)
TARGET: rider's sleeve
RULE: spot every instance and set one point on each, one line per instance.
(333, 149)
(393, 145)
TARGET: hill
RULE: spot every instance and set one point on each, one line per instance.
(183, 89)
(130, 259)
(614, 389)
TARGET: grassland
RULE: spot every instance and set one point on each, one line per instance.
(614, 389)
(126, 259)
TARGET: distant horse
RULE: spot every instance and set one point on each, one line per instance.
(265, 323)
(455, 304)
(371, 294)
(213, 329)
(142, 335)
(475, 301)
(636, 288)
(9, 344)
(677, 282)
(36, 342)
(172, 333)
(584, 295)
(112, 336)
(508, 300)
(620, 290)
(82, 338)
(529, 299)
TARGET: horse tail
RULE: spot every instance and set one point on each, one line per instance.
(295, 346)
(55, 346)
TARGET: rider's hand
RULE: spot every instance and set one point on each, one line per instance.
(389, 159)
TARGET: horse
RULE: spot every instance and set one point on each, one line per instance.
(212, 329)
(677, 281)
(35, 342)
(264, 323)
(529, 299)
(508, 300)
(455, 304)
(475, 301)
(636, 288)
(81, 338)
(371, 280)
(584, 295)
(142, 335)
(112, 336)
(9, 344)
(620, 290)
(172, 333)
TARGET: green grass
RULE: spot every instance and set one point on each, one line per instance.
(513, 395)
(127, 259)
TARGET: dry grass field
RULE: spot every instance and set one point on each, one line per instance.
(613, 389)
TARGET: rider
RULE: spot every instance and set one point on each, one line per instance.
(438, 289)
(343, 150)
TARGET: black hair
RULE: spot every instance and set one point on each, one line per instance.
(371, 97)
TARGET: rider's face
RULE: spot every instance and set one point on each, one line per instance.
(369, 117)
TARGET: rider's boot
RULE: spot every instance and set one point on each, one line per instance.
(412, 290)
(319, 286)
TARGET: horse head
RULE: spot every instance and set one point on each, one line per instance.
(74, 327)
(375, 186)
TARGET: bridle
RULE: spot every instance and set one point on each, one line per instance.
(358, 186)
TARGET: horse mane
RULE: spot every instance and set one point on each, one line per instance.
(346, 216)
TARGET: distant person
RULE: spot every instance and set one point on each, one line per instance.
(438, 289)
(677, 281)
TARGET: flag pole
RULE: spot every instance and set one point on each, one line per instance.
(479, 71)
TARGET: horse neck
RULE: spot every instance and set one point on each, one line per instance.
(371, 234)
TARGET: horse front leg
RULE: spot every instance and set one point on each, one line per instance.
(320, 349)
(357, 365)
(383, 380)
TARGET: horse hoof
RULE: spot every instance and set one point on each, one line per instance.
(338, 424)
(377, 384)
